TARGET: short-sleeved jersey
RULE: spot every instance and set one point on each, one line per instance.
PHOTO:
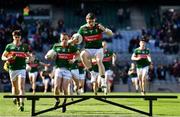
(64, 55)
(91, 36)
(34, 65)
(133, 74)
(143, 62)
(19, 53)
(107, 60)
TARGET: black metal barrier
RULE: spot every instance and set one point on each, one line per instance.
(102, 98)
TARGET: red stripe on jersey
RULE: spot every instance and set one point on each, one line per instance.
(107, 59)
(33, 65)
(66, 56)
(80, 64)
(142, 55)
(93, 37)
(19, 54)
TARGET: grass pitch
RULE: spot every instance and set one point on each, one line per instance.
(91, 107)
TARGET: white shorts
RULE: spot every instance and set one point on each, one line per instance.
(17, 73)
(47, 80)
(34, 74)
(63, 73)
(75, 73)
(142, 71)
(108, 73)
(82, 76)
(95, 52)
(52, 82)
(133, 79)
(95, 77)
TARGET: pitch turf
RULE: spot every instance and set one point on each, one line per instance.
(162, 107)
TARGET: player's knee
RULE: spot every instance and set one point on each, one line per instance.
(84, 54)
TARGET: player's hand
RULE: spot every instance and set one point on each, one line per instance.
(10, 58)
(101, 27)
(71, 61)
(73, 41)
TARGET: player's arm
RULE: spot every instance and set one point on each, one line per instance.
(6, 56)
(149, 58)
(135, 57)
(130, 71)
(75, 57)
(44, 64)
(106, 30)
(51, 54)
(41, 74)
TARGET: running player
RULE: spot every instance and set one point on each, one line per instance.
(133, 76)
(143, 59)
(46, 77)
(108, 60)
(16, 53)
(64, 54)
(32, 67)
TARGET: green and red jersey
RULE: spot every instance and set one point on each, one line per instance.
(80, 67)
(19, 53)
(107, 60)
(34, 65)
(143, 62)
(64, 54)
(91, 36)
(133, 74)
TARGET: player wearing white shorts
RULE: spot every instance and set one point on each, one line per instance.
(64, 54)
(92, 34)
(133, 76)
(74, 70)
(108, 61)
(143, 59)
(82, 74)
(32, 65)
(15, 54)
(45, 75)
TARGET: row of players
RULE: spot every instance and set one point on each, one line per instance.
(65, 54)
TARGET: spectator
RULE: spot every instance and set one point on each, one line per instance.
(161, 72)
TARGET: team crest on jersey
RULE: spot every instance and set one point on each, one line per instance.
(18, 48)
(91, 31)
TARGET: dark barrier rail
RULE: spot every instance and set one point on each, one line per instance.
(86, 97)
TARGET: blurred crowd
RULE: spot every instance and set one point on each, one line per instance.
(36, 33)
(39, 33)
(165, 33)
